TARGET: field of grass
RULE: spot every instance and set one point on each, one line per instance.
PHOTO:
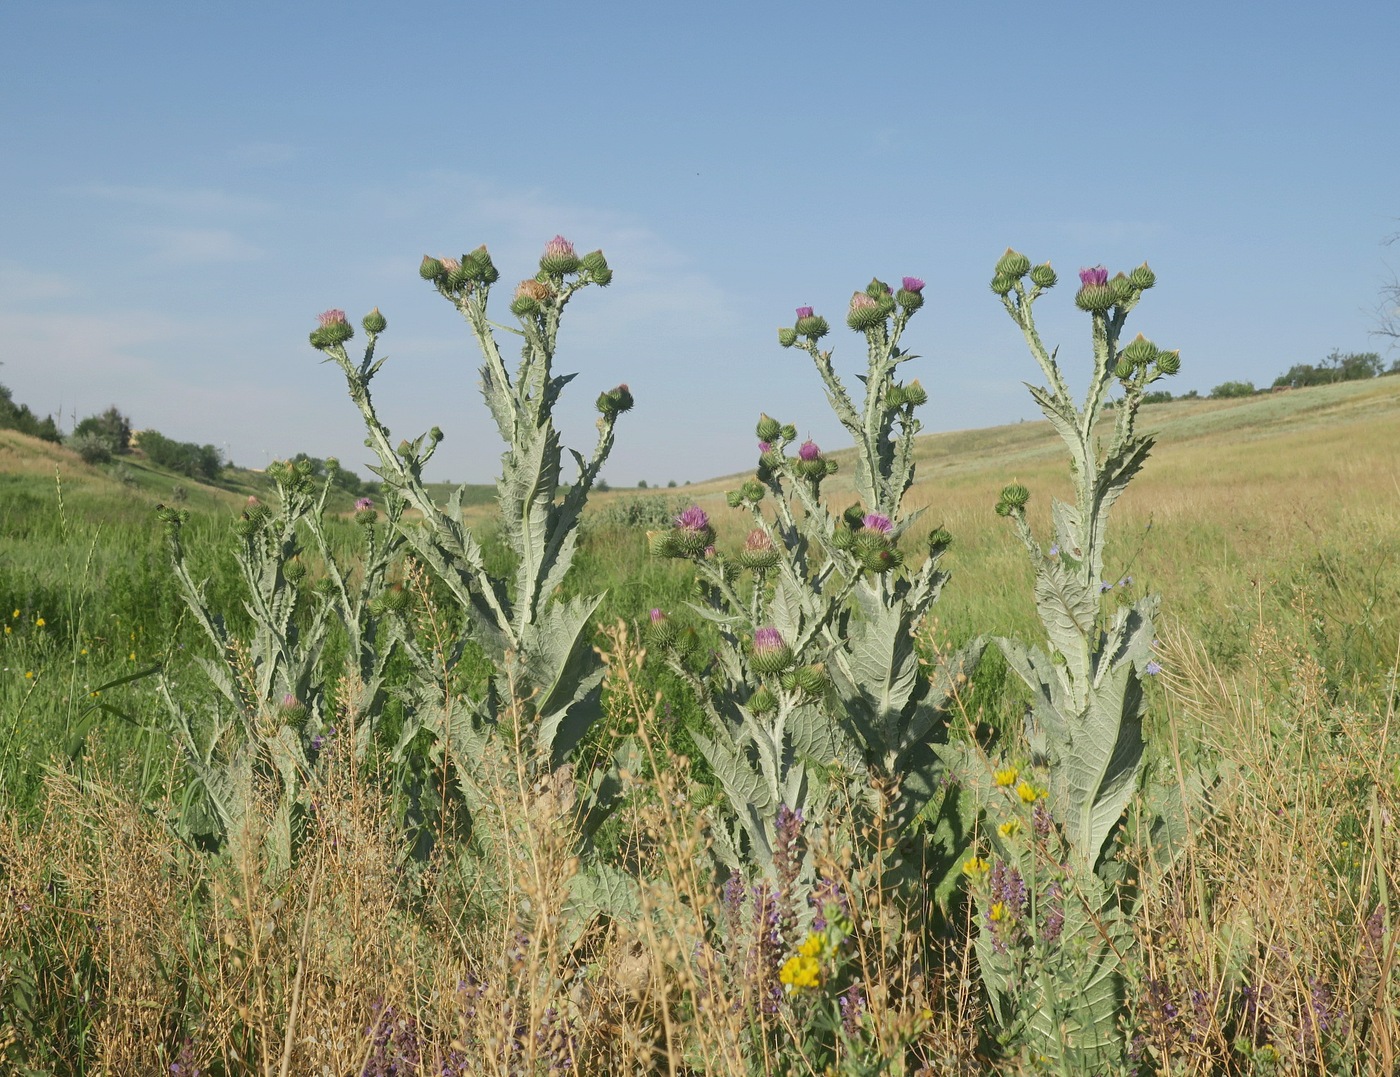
(1270, 526)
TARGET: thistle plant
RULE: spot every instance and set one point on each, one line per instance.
(1055, 936)
(818, 688)
(266, 736)
(544, 679)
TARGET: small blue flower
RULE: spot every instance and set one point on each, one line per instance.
(1152, 668)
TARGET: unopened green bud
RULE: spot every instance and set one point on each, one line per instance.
(1042, 276)
(734, 498)
(405, 449)
(293, 571)
(813, 325)
(1169, 362)
(762, 702)
(753, 491)
(811, 679)
(484, 270)
(615, 401)
(430, 268)
(787, 337)
(1123, 370)
(594, 262)
(659, 544)
(1142, 277)
(915, 395)
(1094, 298)
(895, 397)
(374, 322)
(1013, 264)
(660, 631)
(768, 428)
(1122, 287)
(865, 312)
(854, 517)
(1003, 285)
(603, 278)
(789, 432)
(910, 301)
(1140, 352)
(1015, 495)
(877, 289)
(938, 541)
(843, 538)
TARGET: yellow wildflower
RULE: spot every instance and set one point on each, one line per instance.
(975, 868)
(1029, 793)
(132, 656)
(15, 615)
(29, 675)
(800, 972)
(1010, 828)
(1006, 776)
(997, 913)
(84, 651)
(814, 945)
(7, 630)
(40, 622)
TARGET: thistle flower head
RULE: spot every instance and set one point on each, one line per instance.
(913, 284)
(765, 447)
(451, 264)
(693, 519)
(657, 616)
(803, 312)
(364, 503)
(329, 318)
(1093, 275)
(875, 521)
(809, 451)
(559, 257)
(767, 640)
(865, 312)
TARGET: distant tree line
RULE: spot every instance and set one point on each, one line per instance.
(1337, 367)
(18, 417)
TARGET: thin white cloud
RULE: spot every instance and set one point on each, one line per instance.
(21, 285)
(197, 201)
(199, 245)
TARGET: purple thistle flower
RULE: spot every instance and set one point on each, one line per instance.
(913, 284)
(767, 640)
(1152, 668)
(875, 521)
(803, 312)
(331, 317)
(862, 301)
(809, 451)
(559, 247)
(364, 503)
(290, 701)
(693, 519)
(1093, 275)
(764, 447)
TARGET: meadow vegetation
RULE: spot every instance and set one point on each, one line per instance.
(298, 779)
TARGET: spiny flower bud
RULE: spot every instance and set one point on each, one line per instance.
(910, 294)
(762, 702)
(291, 710)
(294, 571)
(1003, 285)
(813, 325)
(753, 491)
(788, 432)
(873, 549)
(894, 397)
(865, 312)
(364, 511)
(659, 632)
(1123, 289)
(787, 337)
(938, 541)
(758, 552)
(334, 330)
(692, 533)
(770, 654)
(374, 322)
(1142, 277)
(393, 599)
(811, 679)
(615, 401)
(1015, 495)
(1013, 264)
(1094, 293)
(559, 257)
(529, 294)
(595, 263)
(1140, 352)
(659, 544)
(482, 268)
(1169, 362)
(768, 428)
(1123, 370)
(1042, 276)
(430, 268)
(915, 395)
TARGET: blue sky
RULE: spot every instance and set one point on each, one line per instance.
(184, 186)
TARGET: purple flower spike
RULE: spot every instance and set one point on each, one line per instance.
(1093, 275)
(768, 639)
(875, 521)
(693, 519)
(803, 312)
(809, 450)
(913, 284)
(331, 317)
